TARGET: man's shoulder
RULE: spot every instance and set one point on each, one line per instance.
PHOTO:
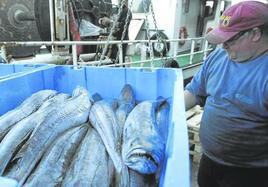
(218, 53)
(216, 57)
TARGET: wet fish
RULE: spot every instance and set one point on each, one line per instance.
(28, 106)
(103, 119)
(54, 101)
(19, 134)
(56, 160)
(68, 115)
(112, 102)
(90, 166)
(126, 104)
(140, 180)
(143, 144)
(162, 117)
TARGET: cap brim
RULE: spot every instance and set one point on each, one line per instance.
(218, 36)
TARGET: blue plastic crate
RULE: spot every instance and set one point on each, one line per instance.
(167, 83)
(9, 70)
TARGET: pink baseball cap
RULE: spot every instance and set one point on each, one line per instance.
(239, 17)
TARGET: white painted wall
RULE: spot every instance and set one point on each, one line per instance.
(165, 15)
(170, 16)
(190, 19)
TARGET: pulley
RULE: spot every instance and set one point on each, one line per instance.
(17, 23)
(161, 47)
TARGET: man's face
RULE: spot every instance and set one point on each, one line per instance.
(239, 47)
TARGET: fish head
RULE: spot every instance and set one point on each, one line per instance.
(145, 156)
(143, 146)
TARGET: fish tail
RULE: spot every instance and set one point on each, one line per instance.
(124, 177)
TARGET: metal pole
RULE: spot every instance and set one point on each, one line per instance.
(51, 16)
(205, 50)
(50, 43)
(4, 52)
(192, 51)
(74, 51)
(121, 60)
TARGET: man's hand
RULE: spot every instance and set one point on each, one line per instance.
(105, 21)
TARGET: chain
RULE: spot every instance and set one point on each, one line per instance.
(159, 38)
(111, 33)
(146, 10)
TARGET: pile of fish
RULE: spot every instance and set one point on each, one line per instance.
(54, 139)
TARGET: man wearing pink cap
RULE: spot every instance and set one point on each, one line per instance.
(232, 85)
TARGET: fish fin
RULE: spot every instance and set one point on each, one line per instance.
(96, 97)
(114, 104)
(124, 177)
(160, 98)
(127, 93)
(159, 102)
(79, 90)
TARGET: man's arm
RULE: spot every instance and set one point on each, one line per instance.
(190, 100)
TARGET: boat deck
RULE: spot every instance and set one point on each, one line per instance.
(193, 117)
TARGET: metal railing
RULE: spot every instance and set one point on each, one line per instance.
(74, 44)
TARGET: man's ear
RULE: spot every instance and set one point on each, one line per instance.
(257, 34)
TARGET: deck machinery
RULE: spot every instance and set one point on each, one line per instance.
(30, 20)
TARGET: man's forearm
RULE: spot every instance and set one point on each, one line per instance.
(190, 100)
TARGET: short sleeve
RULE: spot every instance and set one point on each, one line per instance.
(198, 84)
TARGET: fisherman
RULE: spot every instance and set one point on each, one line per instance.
(232, 85)
(123, 20)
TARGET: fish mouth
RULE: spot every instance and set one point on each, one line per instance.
(146, 156)
(140, 153)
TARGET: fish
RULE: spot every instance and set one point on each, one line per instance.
(55, 162)
(162, 117)
(126, 103)
(90, 166)
(20, 133)
(137, 180)
(54, 101)
(112, 102)
(26, 108)
(72, 113)
(108, 117)
(103, 119)
(143, 145)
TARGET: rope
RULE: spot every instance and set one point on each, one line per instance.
(111, 33)
(125, 28)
